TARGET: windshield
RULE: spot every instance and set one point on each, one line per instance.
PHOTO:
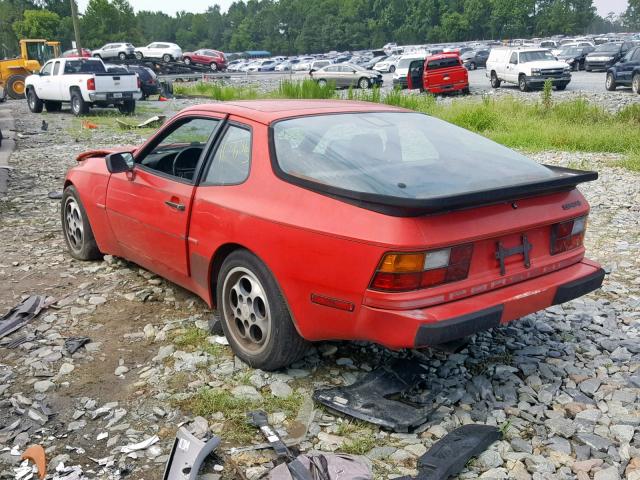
(570, 51)
(536, 56)
(407, 155)
(404, 62)
(608, 47)
(83, 66)
(40, 52)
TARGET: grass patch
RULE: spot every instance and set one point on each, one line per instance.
(359, 445)
(236, 428)
(304, 89)
(632, 162)
(216, 91)
(194, 338)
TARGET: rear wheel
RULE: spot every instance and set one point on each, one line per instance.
(139, 55)
(76, 228)
(522, 84)
(213, 67)
(495, 82)
(472, 66)
(364, 83)
(16, 86)
(78, 105)
(610, 82)
(122, 56)
(128, 107)
(392, 69)
(322, 82)
(254, 315)
(35, 104)
(166, 58)
(52, 106)
(187, 61)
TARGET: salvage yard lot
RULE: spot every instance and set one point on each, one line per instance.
(562, 384)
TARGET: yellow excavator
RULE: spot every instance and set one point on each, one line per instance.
(33, 53)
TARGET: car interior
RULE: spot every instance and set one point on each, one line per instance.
(179, 160)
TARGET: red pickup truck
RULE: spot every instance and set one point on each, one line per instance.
(440, 73)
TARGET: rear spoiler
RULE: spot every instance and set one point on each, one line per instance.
(565, 179)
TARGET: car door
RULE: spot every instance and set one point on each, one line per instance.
(625, 66)
(55, 86)
(43, 86)
(511, 68)
(148, 207)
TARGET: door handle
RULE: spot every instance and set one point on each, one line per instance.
(176, 206)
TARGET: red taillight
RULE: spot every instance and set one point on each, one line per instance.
(567, 236)
(139, 83)
(91, 84)
(401, 272)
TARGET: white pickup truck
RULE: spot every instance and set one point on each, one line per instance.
(83, 82)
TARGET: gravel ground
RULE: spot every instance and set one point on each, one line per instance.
(563, 384)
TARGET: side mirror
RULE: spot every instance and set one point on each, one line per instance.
(119, 162)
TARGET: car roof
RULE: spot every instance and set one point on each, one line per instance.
(268, 111)
(440, 56)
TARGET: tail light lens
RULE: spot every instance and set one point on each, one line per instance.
(401, 272)
(91, 84)
(568, 235)
(139, 82)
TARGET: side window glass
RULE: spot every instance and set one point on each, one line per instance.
(178, 152)
(231, 161)
(514, 58)
(46, 70)
(636, 55)
(56, 68)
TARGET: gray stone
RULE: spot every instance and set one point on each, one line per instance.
(610, 473)
(596, 442)
(560, 426)
(622, 433)
(281, 390)
(246, 392)
(489, 459)
(43, 386)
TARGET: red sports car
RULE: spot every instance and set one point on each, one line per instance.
(73, 53)
(311, 220)
(214, 59)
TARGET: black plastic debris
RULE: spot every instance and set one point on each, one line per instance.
(73, 344)
(21, 314)
(55, 195)
(451, 453)
(383, 397)
(187, 455)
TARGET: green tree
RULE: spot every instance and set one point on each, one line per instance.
(631, 17)
(37, 24)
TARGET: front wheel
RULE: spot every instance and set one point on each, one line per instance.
(522, 84)
(364, 83)
(472, 66)
(635, 83)
(166, 58)
(213, 67)
(35, 104)
(16, 86)
(561, 86)
(254, 315)
(322, 82)
(139, 55)
(187, 61)
(76, 228)
(128, 107)
(392, 69)
(610, 82)
(122, 56)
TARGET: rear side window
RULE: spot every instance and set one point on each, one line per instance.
(83, 66)
(442, 63)
(56, 68)
(232, 158)
(407, 155)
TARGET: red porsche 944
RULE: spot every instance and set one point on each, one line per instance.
(302, 221)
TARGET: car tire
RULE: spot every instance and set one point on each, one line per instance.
(76, 228)
(166, 58)
(78, 105)
(52, 106)
(495, 81)
(635, 83)
(35, 104)
(561, 86)
(322, 82)
(472, 66)
(139, 55)
(364, 83)
(186, 60)
(16, 87)
(522, 83)
(128, 107)
(213, 67)
(392, 69)
(255, 317)
(610, 82)
(587, 69)
(466, 91)
(122, 56)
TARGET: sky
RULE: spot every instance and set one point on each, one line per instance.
(199, 6)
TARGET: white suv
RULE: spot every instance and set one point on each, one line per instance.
(527, 68)
(166, 51)
(121, 51)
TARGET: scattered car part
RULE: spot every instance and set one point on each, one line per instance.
(21, 314)
(73, 344)
(143, 445)
(152, 122)
(378, 397)
(326, 466)
(36, 454)
(294, 466)
(187, 455)
(452, 452)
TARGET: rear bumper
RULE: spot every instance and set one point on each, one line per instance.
(455, 320)
(447, 88)
(114, 97)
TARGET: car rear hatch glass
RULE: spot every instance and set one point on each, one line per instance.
(404, 163)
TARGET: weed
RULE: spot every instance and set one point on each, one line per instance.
(631, 162)
(630, 113)
(216, 91)
(236, 429)
(305, 89)
(194, 338)
(547, 93)
(359, 445)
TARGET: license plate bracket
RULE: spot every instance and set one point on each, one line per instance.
(503, 253)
